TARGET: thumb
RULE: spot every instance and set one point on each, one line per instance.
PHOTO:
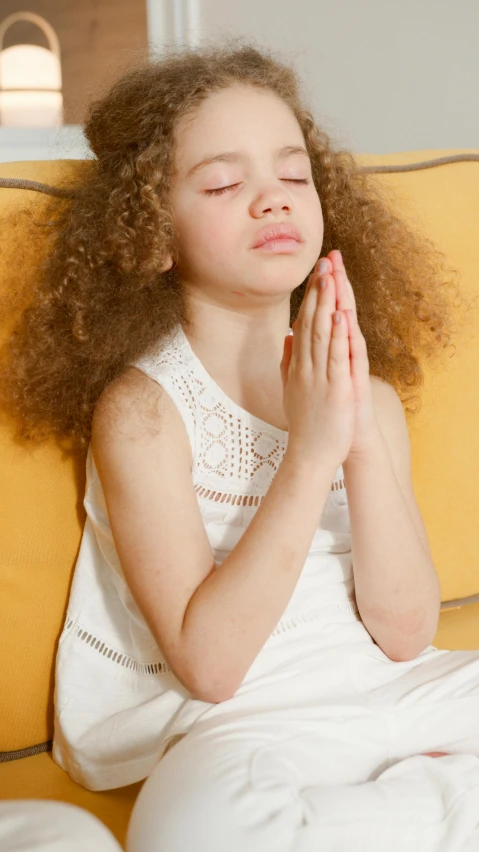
(286, 359)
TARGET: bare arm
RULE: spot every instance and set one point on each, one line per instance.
(209, 622)
(232, 613)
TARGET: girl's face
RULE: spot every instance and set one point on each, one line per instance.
(219, 208)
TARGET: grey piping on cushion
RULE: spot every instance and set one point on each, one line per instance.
(5, 756)
(458, 602)
(22, 183)
(425, 164)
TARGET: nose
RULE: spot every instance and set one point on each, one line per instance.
(272, 199)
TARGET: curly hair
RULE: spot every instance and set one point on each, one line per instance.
(101, 299)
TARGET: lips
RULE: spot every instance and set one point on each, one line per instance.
(279, 231)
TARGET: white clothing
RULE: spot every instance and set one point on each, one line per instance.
(321, 745)
(116, 701)
(325, 754)
(41, 825)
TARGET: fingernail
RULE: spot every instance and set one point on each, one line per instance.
(323, 266)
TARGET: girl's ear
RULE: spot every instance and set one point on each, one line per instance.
(167, 264)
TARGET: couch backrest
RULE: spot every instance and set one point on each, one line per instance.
(42, 513)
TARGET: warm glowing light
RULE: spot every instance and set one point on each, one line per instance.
(30, 79)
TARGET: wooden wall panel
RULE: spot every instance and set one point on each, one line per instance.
(98, 40)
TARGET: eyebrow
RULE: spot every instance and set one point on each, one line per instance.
(234, 156)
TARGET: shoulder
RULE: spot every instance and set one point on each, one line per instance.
(125, 399)
(390, 415)
(385, 396)
(134, 406)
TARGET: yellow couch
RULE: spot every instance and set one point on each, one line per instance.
(42, 513)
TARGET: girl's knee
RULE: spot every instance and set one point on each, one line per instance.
(178, 806)
(203, 795)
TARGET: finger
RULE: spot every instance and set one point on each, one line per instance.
(338, 366)
(310, 282)
(358, 347)
(346, 298)
(350, 291)
(303, 330)
(335, 259)
(349, 298)
(322, 330)
(286, 359)
(325, 266)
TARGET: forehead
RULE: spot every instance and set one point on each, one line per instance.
(239, 117)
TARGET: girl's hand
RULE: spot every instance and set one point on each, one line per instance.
(318, 397)
(366, 429)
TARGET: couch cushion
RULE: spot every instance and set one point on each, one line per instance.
(42, 520)
(39, 777)
(442, 202)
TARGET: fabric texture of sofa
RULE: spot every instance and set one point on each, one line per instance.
(42, 513)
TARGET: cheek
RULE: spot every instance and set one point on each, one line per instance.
(213, 235)
(206, 244)
(316, 225)
(317, 213)
(198, 227)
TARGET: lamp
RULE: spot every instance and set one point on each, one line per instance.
(30, 78)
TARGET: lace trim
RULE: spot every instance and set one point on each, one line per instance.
(345, 607)
(117, 657)
(127, 661)
(245, 499)
(229, 444)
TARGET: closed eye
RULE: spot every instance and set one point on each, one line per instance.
(226, 188)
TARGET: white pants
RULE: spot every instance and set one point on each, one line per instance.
(325, 756)
(42, 825)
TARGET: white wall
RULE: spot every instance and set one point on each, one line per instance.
(383, 75)
(380, 75)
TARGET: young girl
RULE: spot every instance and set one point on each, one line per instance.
(219, 640)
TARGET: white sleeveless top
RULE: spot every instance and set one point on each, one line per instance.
(116, 700)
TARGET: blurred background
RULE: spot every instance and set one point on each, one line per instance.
(380, 75)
